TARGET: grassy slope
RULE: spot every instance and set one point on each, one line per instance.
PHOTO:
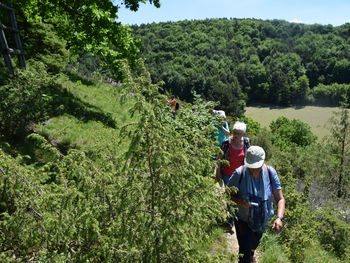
(90, 134)
(316, 117)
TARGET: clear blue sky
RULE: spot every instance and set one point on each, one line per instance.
(335, 12)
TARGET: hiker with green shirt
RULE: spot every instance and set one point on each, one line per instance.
(257, 183)
(223, 129)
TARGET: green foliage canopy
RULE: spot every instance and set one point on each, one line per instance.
(86, 26)
(248, 60)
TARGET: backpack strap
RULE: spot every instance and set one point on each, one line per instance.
(224, 144)
(241, 175)
(269, 172)
(225, 147)
(246, 144)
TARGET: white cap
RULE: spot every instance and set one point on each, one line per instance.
(254, 157)
(241, 126)
(219, 113)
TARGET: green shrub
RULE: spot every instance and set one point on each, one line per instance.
(291, 132)
(300, 223)
(25, 100)
(315, 253)
(41, 149)
(307, 229)
(264, 139)
(334, 233)
(41, 43)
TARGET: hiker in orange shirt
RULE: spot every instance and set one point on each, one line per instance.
(173, 104)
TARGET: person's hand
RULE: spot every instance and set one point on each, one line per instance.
(277, 225)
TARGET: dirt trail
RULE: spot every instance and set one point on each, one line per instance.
(232, 243)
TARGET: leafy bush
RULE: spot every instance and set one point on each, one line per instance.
(42, 150)
(264, 139)
(315, 253)
(305, 227)
(300, 222)
(41, 43)
(298, 232)
(291, 132)
(334, 233)
(25, 100)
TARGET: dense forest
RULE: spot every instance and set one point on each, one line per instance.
(239, 61)
(93, 171)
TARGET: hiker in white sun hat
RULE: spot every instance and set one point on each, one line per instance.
(257, 184)
(255, 157)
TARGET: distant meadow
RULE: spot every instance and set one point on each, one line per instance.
(316, 117)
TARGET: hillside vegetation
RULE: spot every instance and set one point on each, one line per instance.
(97, 172)
(239, 61)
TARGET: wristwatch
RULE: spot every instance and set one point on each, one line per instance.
(280, 218)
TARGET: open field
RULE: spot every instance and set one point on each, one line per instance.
(316, 117)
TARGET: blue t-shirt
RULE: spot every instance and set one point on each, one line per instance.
(261, 188)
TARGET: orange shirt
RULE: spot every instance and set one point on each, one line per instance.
(172, 104)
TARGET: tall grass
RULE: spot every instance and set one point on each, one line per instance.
(273, 251)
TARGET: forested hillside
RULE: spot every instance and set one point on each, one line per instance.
(239, 61)
(93, 170)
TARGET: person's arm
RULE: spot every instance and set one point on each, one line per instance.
(226, 129)
(280, 201)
